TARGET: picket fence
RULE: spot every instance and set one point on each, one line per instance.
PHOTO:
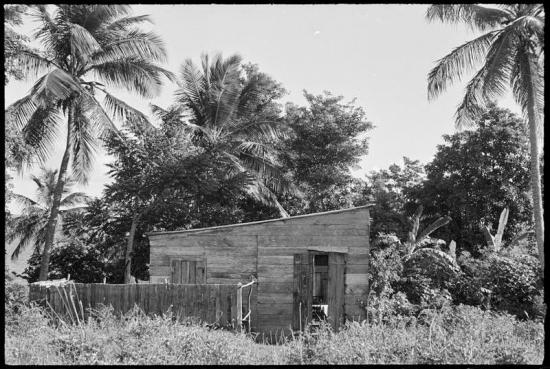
(209, 303)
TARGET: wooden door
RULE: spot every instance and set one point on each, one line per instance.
(336, 287)
(188, 271)
(303, 290)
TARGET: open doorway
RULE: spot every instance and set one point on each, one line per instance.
(318, 288)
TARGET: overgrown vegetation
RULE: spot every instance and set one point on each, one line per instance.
(460, 334)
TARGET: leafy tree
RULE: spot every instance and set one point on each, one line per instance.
(326, 138)
(511, 50)
(476, 174)
(78, 41)
(30, 226)
(389, 190)
(163, 181)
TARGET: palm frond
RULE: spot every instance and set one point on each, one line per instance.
(455, 64)
(260, 129)
(24, 201)
(98, 117)
(82, 43)
(124, 112)
(57, 84)
(475, 16)
(40, 132)
(473, 102)
(137, 75)
(528, 86)
(25, 229)
(75, 198)
(225, 88)
(21, 111)
(258, 191)
(499, 64)
(123, 23)
(32, 63)
(133, 44)
(83, 143)
(189, 93)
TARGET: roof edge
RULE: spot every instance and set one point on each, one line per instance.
(197, 230)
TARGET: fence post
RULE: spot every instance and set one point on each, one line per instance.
(239, 307)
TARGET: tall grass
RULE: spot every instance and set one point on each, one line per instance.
(455, 335)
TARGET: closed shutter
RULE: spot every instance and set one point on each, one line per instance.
(188, 271)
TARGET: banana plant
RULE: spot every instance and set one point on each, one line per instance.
(414, 239)
(495, 242)
(522, 235)
(452, 250)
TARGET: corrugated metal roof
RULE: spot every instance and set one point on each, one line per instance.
(197, 230)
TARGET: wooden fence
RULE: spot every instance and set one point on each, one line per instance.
(211, 303)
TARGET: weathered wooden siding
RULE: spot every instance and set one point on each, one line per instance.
(344, 232)
(267, 249)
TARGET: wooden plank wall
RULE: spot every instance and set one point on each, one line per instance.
(344, 232)
(209, 303)
(267, 250)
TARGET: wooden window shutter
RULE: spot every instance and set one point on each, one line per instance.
(188, 271)
(303, 290)
(336, 287)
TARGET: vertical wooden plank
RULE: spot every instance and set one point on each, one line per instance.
(192, 270)
(180, 301)
(223, 306)
(218, 304)
(175, 270)
(254, 308)
(204, 301)
(239, 308)
(211, 315)
(201, 272)
(297, 292)
(184, 272)
(303, 292)
(335, 289)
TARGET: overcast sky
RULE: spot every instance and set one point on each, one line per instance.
(379, 54)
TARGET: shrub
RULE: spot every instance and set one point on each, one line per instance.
(16, 293)
(508, 282)
(71, 256)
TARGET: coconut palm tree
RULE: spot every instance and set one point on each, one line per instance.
(221, 108)
(82, 45)
(30, 226)
(510, 51)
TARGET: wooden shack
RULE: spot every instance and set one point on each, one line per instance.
(303, 264)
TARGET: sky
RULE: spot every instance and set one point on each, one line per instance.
(378, 54)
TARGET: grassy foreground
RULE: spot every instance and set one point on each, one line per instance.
(455, 335)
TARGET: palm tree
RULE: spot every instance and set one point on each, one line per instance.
(511, 51)
(223, 113)
(30, 226)
(81, 41)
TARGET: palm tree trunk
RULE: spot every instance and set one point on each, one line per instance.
(52, 220)
(129, 248)
(535, 164)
